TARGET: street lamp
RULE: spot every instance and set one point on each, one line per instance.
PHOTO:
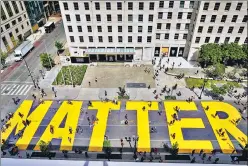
(135, 139)
(203, 87)
(128, 139)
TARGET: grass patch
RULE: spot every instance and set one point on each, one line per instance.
(196, 82)
(126, 97)
(170, 98)
(64, 77)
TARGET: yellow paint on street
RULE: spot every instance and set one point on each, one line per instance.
(72, 111)
(144, 143)
(185, 146)
(225, 124)
(99, 129)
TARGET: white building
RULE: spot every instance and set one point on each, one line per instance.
(139, 30)
(15, 25)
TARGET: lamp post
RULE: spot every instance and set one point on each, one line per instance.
(135, 139)
(203, 87)
(128, 139)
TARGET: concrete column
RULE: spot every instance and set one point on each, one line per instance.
(178, 49)
(169, 50)
(160, 55)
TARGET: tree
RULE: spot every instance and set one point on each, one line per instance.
(174, 149)
(222, 90)
(216, 71)
(59, 46)
(45, 148)
(46, 60)
(210, 54)
(3, 57)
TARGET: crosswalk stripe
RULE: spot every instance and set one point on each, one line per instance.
(3, 87)
(8, 87)
(30, 86)
(23, 90)
(20, 89)
(13, 89)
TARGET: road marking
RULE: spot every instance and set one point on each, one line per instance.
(17, 82)
(23, 90)
(15, 89)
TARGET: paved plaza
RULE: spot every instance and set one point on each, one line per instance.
(196, 128)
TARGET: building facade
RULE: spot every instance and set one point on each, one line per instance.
(141, 30)
(15, 24)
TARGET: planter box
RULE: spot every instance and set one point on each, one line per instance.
(112, 156)
(40, 154)
(177, 157)
(123, 97)
(170, 98)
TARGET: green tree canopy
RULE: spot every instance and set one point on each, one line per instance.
(232, 53)
(216, 71)
(3, 57)
(210, 54)
(45, 147)
(58, 45)
(46, 60)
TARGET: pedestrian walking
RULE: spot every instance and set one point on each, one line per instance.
(209, 158)
(34, 96)
(96, 80)
(193, 152)
(149, 87)
(14, 100)
(105, 92)
(69, 139)
(201, 151)
(173, 135)
(70, 130)
(89, 83)
(126, 116)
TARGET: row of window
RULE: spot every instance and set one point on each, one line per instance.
(227, 7)
(181, 5)
(167, 36)
(220, 29)
(179, 16)
(168, 26)
(9, 10)
(223, 18)
(13, 22)
(110, 39)
(217, 39)
(110, 29)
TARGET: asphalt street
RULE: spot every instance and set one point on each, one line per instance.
(17, 83)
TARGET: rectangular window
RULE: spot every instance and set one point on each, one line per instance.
(149, 29)
(227, 39)
(108, 6)
(189, 15)
(109, 28)
(185, 36)
(139, 39)
(3, 15)
(14, 22)
(119, 6)
(120, 39)
(161, 4)
(191, 4)
(7, 26)
(21, 5)
(168, 25)
(230, 30)
(15, 7)
(200, 28)
(19, 19)
(68, 18)
(203, 18)
(81, 39)
(70, 29)
(236, 39)
(171, 4)
(217, 6)
(87, 17)
(130, 29)
(239, 6)
(176, 36)
(206, 5)
(159, 25)
(235, 17)
(160, 15)
(216, 40)
(91, 39)
(141, 5)
(97, 5)
(79, 19)
(72, 39)
(245, 18)
(110, 39)
(16, 30)
(227, 7)
(151, 6)
(99, 28)
(100, 39)
(246, 40)
(207, 39)
(157, 35)
(140, 18)
(197, 40)
(220, 29)
(86, 6)
(149, 39)
(140, 28)
(187, 26)
(181, 4)
(89, 28)
(109, 17)
(180, 15)
(150, 18)
(178, 26)
(130, 5)
(166, 36)
(169, 16)
(98, 17)
(79, 28)
(223, 18)
(119, 28)
(130, 18)
(75, 6)
(119, 16)
(213, 18)
(65, 6)
(130, 39)
(210, 29)
(241, 29)
(8, 8)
